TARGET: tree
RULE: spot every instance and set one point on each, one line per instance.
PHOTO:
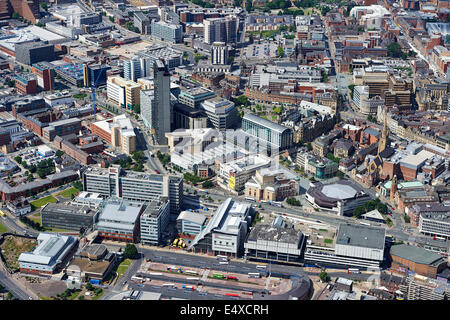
(280, 52)
(44, 6)
(16, 16)
(358, 211)
(18, 159)
(352, 89)
(59, 153)
(9, 296)
(207, 184)
(394, 50)
(309, 146)
(130, 251)
(324, 277)
(138, 156)
(89, 286)
(137, 108)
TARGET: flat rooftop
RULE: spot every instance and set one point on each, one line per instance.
(416, 254)
(277, 234)
(361, 236)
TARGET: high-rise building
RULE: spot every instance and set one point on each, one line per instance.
(45, 75)
(94, 73)
(134, 186)
(219, 53)
(28, 9)
(220, 29)
(222, 113)
(124, 93)
(138, 67)
(167, 32)
(161, 111)
(154, 221)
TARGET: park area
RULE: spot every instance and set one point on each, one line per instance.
(122, 268)
(68, 193)
(3, 228)
(13, 246)
(42, 202)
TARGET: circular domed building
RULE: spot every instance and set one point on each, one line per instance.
(340, 197)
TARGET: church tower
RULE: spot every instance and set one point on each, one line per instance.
(393, 188)
(382, 143)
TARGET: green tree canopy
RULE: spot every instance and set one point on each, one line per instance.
(130, 251)
(394, 50)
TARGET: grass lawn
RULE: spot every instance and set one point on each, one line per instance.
(123, 266)
(74, 295)
(328, 241)
(68, 192)
(42, 201)
(98, 295)
(12, 248)
(3, 228)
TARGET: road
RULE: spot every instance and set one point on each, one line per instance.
(11, 286)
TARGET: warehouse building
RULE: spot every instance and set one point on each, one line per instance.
(270, 243)
(67, 217)
(51, 253)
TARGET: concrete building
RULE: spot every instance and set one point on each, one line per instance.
(118, 220)
(51, 253)
(154, 221)
(67, 217)
(61, 128)
(418, 287)
(124, 93)
(222, 113)
(225, 233)
(340, 197)
(32, 52)
(355, 246)
(220, 30)
(161, 118)
(269, 243)
(59, 98)
(195, 96)
(163, 31)
(234, 174)
(269, 134)
(435, 224)
(118, 132)
(142, 22)
(134, 186)
(219, 53)
(190, 222)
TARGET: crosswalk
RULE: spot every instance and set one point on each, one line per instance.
(204, 278)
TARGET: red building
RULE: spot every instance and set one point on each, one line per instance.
(45, 75)
(26, 84)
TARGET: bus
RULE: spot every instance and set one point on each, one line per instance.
(217, 275)
(175, 243)
(222, 257)
(277, 204)
(193, 278)
(232, 294)
(174, 269)
(353, 270)
(172, 285)
(261, 267)
(188, 287)
(232, 278)
(137, 279)
(249, 293)
(254, 275)
(365, 223)
(223, 262)
(250, 199)
(155, 274)
(191, 272)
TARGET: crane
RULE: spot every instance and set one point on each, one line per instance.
(93, 85)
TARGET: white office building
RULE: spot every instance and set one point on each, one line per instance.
(222, 113)
(154, 221)
(226, 231)
(51, 252)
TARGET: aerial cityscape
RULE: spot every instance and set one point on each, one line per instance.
(225, 150)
